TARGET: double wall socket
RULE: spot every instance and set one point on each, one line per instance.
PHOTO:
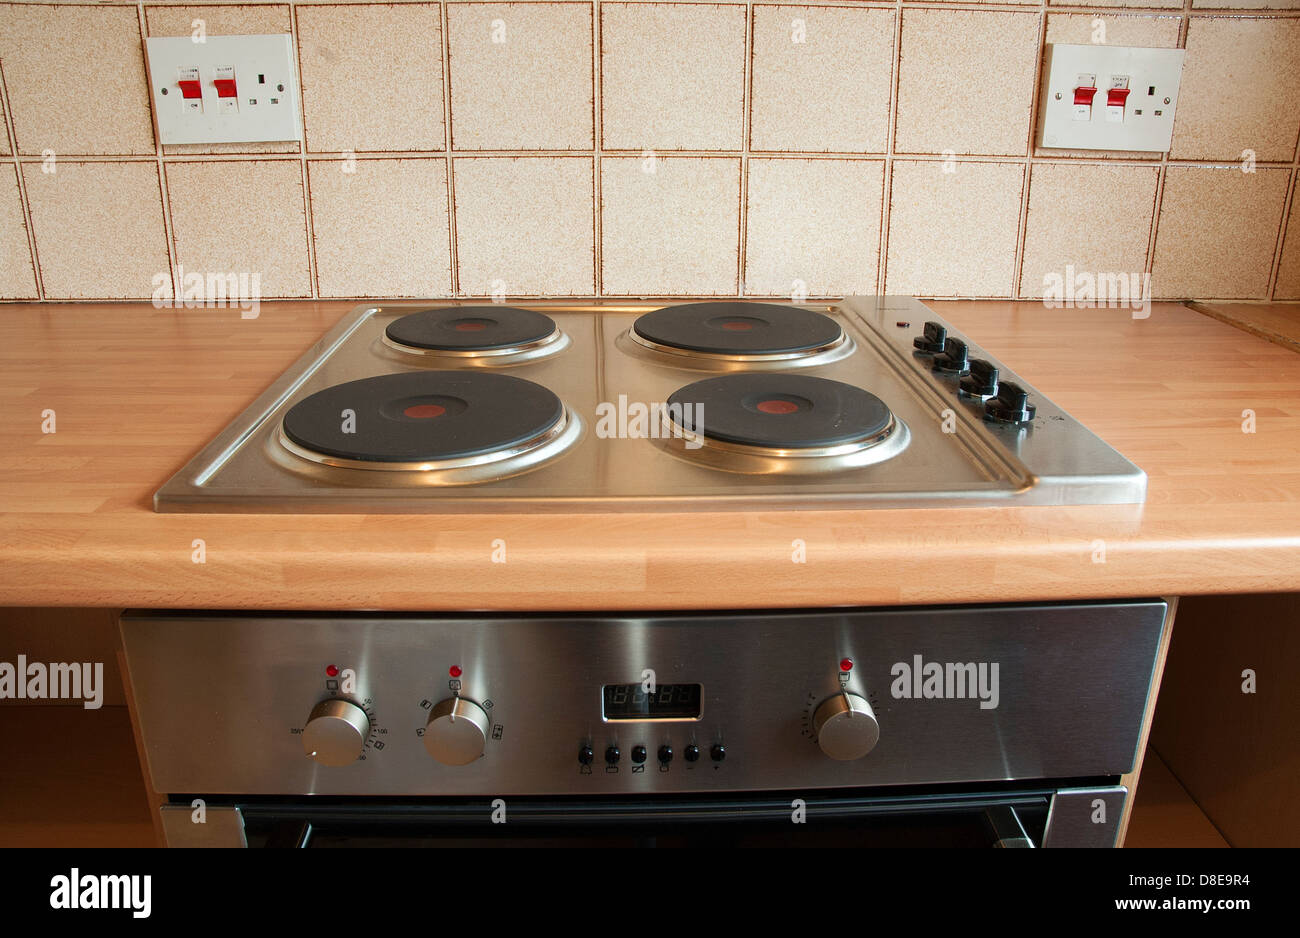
(1109, 98)
(224, 89)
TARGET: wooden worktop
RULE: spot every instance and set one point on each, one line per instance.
(137, 391)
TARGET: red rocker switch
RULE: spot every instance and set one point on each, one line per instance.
(191, 88)
(226, 86)
(1083, 103)
(1115, 99)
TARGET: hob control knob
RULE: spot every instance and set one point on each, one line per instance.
(456, 732)
(982, 380)
(953, 360)
(336, 732)
(846, 727)
(930, 342)
(1010, 406)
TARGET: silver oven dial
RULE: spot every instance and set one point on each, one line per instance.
(336, 732)
(846, 727)
(456, 732)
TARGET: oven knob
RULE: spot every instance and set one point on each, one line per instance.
(846, 727)
(335, 732)
(456, 732)
(930, 342)
(1010, 406)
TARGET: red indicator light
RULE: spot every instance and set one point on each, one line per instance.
(332, 670)
(846, 664)
(455, 671)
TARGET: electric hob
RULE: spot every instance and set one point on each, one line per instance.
(453, 406)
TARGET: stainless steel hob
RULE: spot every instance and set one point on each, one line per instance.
(955, 426)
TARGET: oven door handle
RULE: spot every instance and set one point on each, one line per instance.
(1006, 827)
(292, 834)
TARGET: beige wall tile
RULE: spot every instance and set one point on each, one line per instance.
(17, 276)
(4, 129)
(953, 234)
(821, 79)
(813, 226)
(675, 230)
(218, 19)
(244, 216)
(673, 76)
(1245, 4)
(382, 229)
(99, 229)
(521, 76)
(1094, 218)
(525, 225)
(1288, 274)
(1217, 232)
(356, 99)
(1158, 31)
(1171, 4)
(966, 81)
(1240, 90)
(75, 78)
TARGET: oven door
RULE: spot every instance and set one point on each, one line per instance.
(1082, 816)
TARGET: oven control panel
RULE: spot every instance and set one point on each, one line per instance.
(592, 704)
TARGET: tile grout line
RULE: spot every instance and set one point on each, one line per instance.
(313, 274)
(1022, 226)
(1275, 271)
(1162, 170)
(887, 182)
(1288, 206)
(1142, 9)
(24, 202)
(833, 155)
(746, 128)
(453, 249)
(164, 190)
(597, 151)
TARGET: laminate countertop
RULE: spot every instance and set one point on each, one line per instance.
(137, 391)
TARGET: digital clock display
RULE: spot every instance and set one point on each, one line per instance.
(665, 702)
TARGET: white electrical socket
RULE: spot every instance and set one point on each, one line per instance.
(264, 108)
(1145, 120)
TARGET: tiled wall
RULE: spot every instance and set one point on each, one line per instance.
(669, 148)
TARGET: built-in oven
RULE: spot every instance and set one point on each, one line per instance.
(1007, 725)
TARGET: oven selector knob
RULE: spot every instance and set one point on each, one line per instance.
(335, 732)
(456, 732)
(846, 727)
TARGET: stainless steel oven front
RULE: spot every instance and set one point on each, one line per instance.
(998, 724)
